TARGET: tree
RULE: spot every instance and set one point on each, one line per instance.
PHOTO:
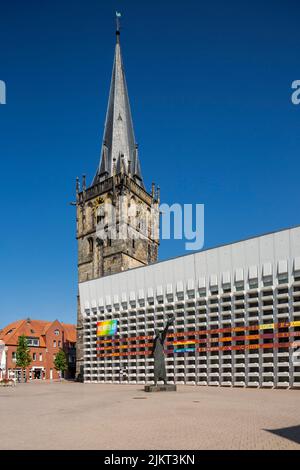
(23, 356)
(60, 362)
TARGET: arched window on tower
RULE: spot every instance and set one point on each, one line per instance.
(132, 212)
(148, 222)
(100, 215)
(90, 216)
(149, 253)
(91, 245)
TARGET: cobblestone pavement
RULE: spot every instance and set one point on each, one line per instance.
(104, 416)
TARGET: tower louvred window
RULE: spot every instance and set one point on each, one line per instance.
(91, 245)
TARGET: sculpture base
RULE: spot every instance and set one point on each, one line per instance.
(160, 388)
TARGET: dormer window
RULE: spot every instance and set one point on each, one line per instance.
(33, 342)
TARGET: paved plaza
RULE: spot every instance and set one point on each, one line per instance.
(94, 416)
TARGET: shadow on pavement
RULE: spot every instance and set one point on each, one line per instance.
(292, 433)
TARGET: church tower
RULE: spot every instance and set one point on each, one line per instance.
(117, 219)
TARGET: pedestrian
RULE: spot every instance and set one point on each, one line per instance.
(124, 374)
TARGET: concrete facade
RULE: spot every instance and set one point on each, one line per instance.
(237, 311)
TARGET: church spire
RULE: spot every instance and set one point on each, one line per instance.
(119, 144)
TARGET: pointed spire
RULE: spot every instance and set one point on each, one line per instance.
(118, 136)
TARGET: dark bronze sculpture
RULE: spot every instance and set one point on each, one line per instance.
(158, 353)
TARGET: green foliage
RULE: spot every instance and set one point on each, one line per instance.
(23, 356)
(60, 361)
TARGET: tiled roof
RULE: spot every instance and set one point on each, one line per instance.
(70, 332)
(9, 332)
(34, 328)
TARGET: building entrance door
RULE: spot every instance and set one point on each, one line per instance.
(37, 374)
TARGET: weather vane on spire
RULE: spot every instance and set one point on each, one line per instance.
(118, 16)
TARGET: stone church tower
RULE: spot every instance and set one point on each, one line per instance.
(117, 219)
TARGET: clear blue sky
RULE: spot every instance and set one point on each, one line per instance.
(210, 87)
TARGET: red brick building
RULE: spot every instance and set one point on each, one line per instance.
(44, 339)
